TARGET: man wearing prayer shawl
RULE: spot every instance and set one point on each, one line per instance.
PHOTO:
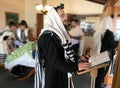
(104, 41)
(56, 58)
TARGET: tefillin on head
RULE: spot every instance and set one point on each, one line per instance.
(112, 16)
(61, 6)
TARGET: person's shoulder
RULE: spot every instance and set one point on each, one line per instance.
(49, 36)
(46, 35)
(108, 32)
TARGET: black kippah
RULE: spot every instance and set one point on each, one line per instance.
(61, 6)
(5, 38)
(112, 16)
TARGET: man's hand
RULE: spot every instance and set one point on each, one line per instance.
(13, 49)
(83, 66)
(80, 37)
(83, 58)
(76, 37)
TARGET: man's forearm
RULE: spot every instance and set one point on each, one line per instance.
(76, 37)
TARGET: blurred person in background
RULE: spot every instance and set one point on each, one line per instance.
(22, 32)
(104, 41)
(77, 37)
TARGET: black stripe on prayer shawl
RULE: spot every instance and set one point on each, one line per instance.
(65, 45)
(68, 49)
(69, 52)
(70, 44)
(71, 57)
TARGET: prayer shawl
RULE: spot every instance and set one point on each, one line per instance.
(105, 24)
(4, 51)
(53, 23)
(18, 34)
(3, 47)
(6, 33)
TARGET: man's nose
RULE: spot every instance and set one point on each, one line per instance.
(65, 17)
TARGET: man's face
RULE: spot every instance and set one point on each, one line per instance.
(9, 40)
(62, 15)
(13, 28)
(22, 27)
(73, 24)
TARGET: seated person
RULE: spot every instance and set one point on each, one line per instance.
(14, 61)
(76, 36)
(22, 32)
(104, 41)
(6, 47)
(10, 30)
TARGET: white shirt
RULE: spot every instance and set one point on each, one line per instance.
(75, 32)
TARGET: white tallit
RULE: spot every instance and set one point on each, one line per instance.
(105, 24)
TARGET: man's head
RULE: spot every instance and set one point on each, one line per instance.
(61, 13)
(12, 26)
(23, 25)
(74, 23)
(8, 39)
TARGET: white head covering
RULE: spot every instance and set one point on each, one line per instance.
(53, 23)
(6, 33)
(105, 24)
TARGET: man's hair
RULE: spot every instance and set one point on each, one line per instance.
(75, 20)
(12, 24)
(23, 22)
(61, 6)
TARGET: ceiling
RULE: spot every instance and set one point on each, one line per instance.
(98, 1)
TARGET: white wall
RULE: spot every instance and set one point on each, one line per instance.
(95, 19)
(15, 6)
(79, 6)
(30, 13)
